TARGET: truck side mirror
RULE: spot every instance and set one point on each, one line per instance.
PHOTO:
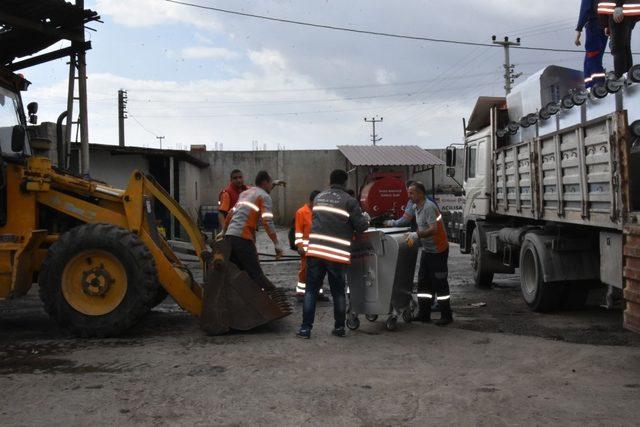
(451, 157)
(32, 109)
(17, 139)
(451, 172)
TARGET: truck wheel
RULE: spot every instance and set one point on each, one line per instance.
(538, 294)
(482, 278)
(98, 280)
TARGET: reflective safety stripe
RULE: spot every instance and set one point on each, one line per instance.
(302, 285)
(327, 248)
(609, 8)
(249, 204)
(439, 217)
(304, 242)
(446, 297)
(331, 210)
(328, 255)
(330, 239)
(425, 296)
(267, 215)
(299, 235)
(297, 241)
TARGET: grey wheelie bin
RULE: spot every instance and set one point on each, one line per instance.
(380, 277)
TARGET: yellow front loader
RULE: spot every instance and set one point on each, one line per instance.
(95, 251)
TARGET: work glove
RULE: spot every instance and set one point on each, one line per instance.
(618, 15)
(219, 236)
(301, 251)
(367, 217)
(389, 223)
(578, 42)
(411, 239)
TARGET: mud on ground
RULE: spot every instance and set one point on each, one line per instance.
(497, 364)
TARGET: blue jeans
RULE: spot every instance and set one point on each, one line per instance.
(316, 270)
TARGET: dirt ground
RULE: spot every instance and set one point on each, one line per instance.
(497, 364)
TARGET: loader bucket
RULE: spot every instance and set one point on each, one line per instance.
(233, 301)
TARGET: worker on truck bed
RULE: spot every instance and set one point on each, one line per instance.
(619, 17)
(302, 231)
(254, 206)
(432, 237)
(229, 196)
(336, 217)
(595, 44)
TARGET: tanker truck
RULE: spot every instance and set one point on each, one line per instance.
(552, 185)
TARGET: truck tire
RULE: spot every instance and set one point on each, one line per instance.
(482, 277)
(539, 295)
(98, 280)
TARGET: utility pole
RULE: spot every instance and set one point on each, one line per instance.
(509, 73)
(122, 114)
(373, 121)
(160, 138)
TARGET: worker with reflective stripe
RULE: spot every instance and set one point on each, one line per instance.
(432, 237)
(253, 207)
(619, 17)
(230, 194)
(302, 231)
(408, 216)
(336, 217)
(595, 44)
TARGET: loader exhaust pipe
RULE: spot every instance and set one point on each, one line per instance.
(61, 144)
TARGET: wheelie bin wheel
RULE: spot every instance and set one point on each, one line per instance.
(391, 324)
(407, 315)
(371, 317)
(634, 73)
(599, 91)
(353, 322)
(612, 86)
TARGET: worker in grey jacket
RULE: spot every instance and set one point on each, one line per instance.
(336, 216)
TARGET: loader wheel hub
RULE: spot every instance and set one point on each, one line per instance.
(94, 282)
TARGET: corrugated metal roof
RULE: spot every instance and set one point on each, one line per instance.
(388, 155)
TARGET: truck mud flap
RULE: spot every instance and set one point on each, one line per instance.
(233, 301)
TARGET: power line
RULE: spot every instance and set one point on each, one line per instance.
(355, 30)
(141, 125)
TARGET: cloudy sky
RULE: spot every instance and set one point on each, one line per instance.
(203, 77)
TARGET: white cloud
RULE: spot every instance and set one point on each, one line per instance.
(148, 13)
(208, 52)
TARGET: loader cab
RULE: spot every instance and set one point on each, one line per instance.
(14, 141)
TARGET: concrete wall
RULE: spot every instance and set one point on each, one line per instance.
(304, 171)
(116, 170)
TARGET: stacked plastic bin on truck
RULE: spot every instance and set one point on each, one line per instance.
(381, 277)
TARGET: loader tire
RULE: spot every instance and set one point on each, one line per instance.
(98, 280)
(160, 294)
(482, 277)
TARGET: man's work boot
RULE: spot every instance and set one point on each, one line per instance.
(424, 310)
(446, 316)
(304, 333)
(339, 332)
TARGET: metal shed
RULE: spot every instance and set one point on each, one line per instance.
(402, 156)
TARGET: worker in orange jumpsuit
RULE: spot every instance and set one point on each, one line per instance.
(229, 196)
(302, 231)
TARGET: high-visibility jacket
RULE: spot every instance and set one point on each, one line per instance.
(336, 216)
(303, 227)
(253, 207)
(629, 7)
(229, 196)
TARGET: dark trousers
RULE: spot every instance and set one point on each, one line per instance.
(317, 269)
(432, 278)
(621, 44)
(595, 45)
(245, 256)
